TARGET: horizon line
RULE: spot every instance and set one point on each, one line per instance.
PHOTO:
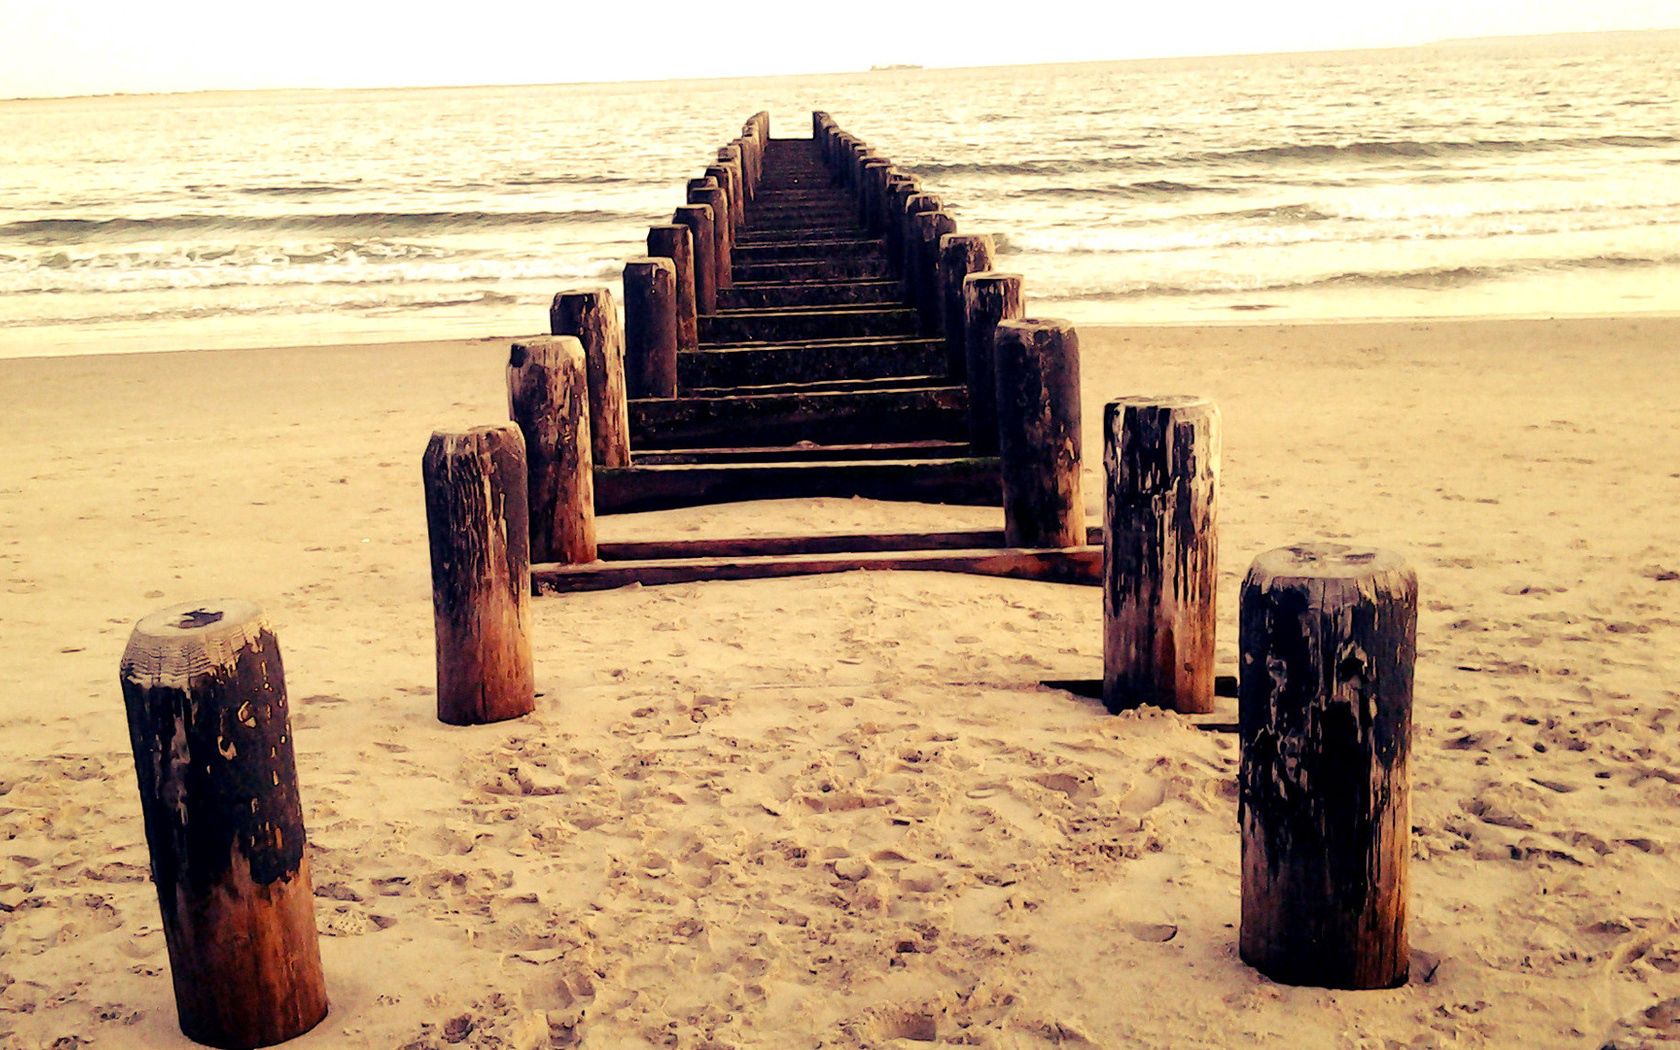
(1519, 38)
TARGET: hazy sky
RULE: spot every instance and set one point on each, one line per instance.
(59, 47)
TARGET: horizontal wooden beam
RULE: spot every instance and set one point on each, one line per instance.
(817, 543)
(786, 324)
(911, 414)
(807, 451)
(906, 382)
(799, 250)
(862, 268)
(968, 482)
(765, 295)
(1077, 565)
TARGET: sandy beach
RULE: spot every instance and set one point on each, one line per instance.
(844, 811)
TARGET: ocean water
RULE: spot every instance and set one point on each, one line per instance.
(1497, 178)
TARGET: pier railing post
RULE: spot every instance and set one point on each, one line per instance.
(478, 522)
(960, 254)
(650, 328)
(676, 243)
(709, 193)
(1038, 433)
(988, 299)
(592, 316)
(1160, 552)
(698, 219)
(1328, 643)
(548, 398)
(212, 738)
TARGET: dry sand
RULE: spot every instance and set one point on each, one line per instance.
(843, 811)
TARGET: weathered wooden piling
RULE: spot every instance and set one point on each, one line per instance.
(650, 327)
(928, 229)
(548, 397)
(1037, 364)
(676, 243)
(208, 720)
(872, 185)
(714, 197)
(1328, 642)
(1160, 552)
(729, 177)
(478, 521)
(592, 316)
(989, 298)
(698, 219)
(960, 254)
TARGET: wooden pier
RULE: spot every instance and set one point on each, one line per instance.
(827, 357)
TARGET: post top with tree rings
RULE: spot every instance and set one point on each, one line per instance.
(957, 240)
(1035, 325)
(1305, 562)
(1166, 401)
(545, 348)
(981, 276)
(172, 645)
(651, 262)
(572, 295)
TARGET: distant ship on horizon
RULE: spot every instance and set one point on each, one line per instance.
(895, 65)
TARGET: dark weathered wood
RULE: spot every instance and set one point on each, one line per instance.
(967, 482)
(819, 543)
(781, 419)
(862, 268)
(729, 177)
(1039, 432)
(208, 721)
(813, 361)
(548, 397)
(806, 452)
(650, 328)
(1328, 642)
(799, 251)
(906, 250)
(1079, 565)
(709, 193)
(927, 229)
(871, 192)
(960, 254)
(592, 316)
(1161, 560)
(477, 518)
(764, 296)
(784, 324)
(988, 299)
(676, 243)
(698, 219)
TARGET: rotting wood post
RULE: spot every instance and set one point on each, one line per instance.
(1328, 636)
(909, 241)
(592, 316)
(900, 189)
(1160, 552)
(650, 328)
(874, 180)
(931, 227)
(960, 254)
(698, 219)
(729, 177)
(207, 717)
(988, 299)
(731, 155)
(1038, 433)
(548, 398)
(676, 243)
(478, 523)
(723, 252)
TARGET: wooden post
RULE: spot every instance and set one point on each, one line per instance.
(930, 227)
(548, 397)
(676, 243)
(1328, 641)
(592, 316)
(958, 255)
(650, 327)
(900, 189)
(909, 247)
(729, 177)
(478, 520)
(1160, 552)
(207, 717)
(870, 194)
(698, 219)
(1038, 433)
(988, 299)
(711, 195)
